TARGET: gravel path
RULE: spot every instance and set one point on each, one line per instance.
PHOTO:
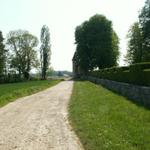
(39, 122)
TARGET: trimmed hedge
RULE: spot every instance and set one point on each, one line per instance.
(138, 74)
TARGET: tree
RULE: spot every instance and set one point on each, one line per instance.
(97, 44)
(2, 54)
(144, 19)
(23, 55)
(115, 48)
(45, 51)
(135, 50)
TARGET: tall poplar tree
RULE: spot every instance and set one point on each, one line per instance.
(45, 51)
(2, 54)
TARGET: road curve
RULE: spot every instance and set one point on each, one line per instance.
(39, 121)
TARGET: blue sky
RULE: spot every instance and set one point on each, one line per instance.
(62, 16)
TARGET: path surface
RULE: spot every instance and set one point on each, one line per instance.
(39, 121)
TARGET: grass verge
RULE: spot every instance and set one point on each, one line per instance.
(104, 120)
(10, 92)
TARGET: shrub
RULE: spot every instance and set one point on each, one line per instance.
(13, 78)
(138, 74)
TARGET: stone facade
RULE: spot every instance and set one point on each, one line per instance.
(139, 94)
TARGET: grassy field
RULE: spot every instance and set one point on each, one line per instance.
(10, 92)
(104, 120)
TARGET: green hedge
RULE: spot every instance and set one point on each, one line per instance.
(138, 74)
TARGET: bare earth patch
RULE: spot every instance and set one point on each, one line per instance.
(39, 122)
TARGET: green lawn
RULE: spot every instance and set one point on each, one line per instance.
(10, 92)
(104, 120)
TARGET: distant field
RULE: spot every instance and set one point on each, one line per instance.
(104, 120)
(10, 92)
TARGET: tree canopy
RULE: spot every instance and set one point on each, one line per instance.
(23, 55)
(97, 43)
(2, 54)
(134, 52)
(144, 19)
(139, 37)
(45, 51)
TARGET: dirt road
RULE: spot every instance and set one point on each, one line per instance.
(39, 121)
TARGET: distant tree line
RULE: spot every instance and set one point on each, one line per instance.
(19, 55)
(97, 44)
(139, 38)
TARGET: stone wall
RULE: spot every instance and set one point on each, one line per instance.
(138, 94)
